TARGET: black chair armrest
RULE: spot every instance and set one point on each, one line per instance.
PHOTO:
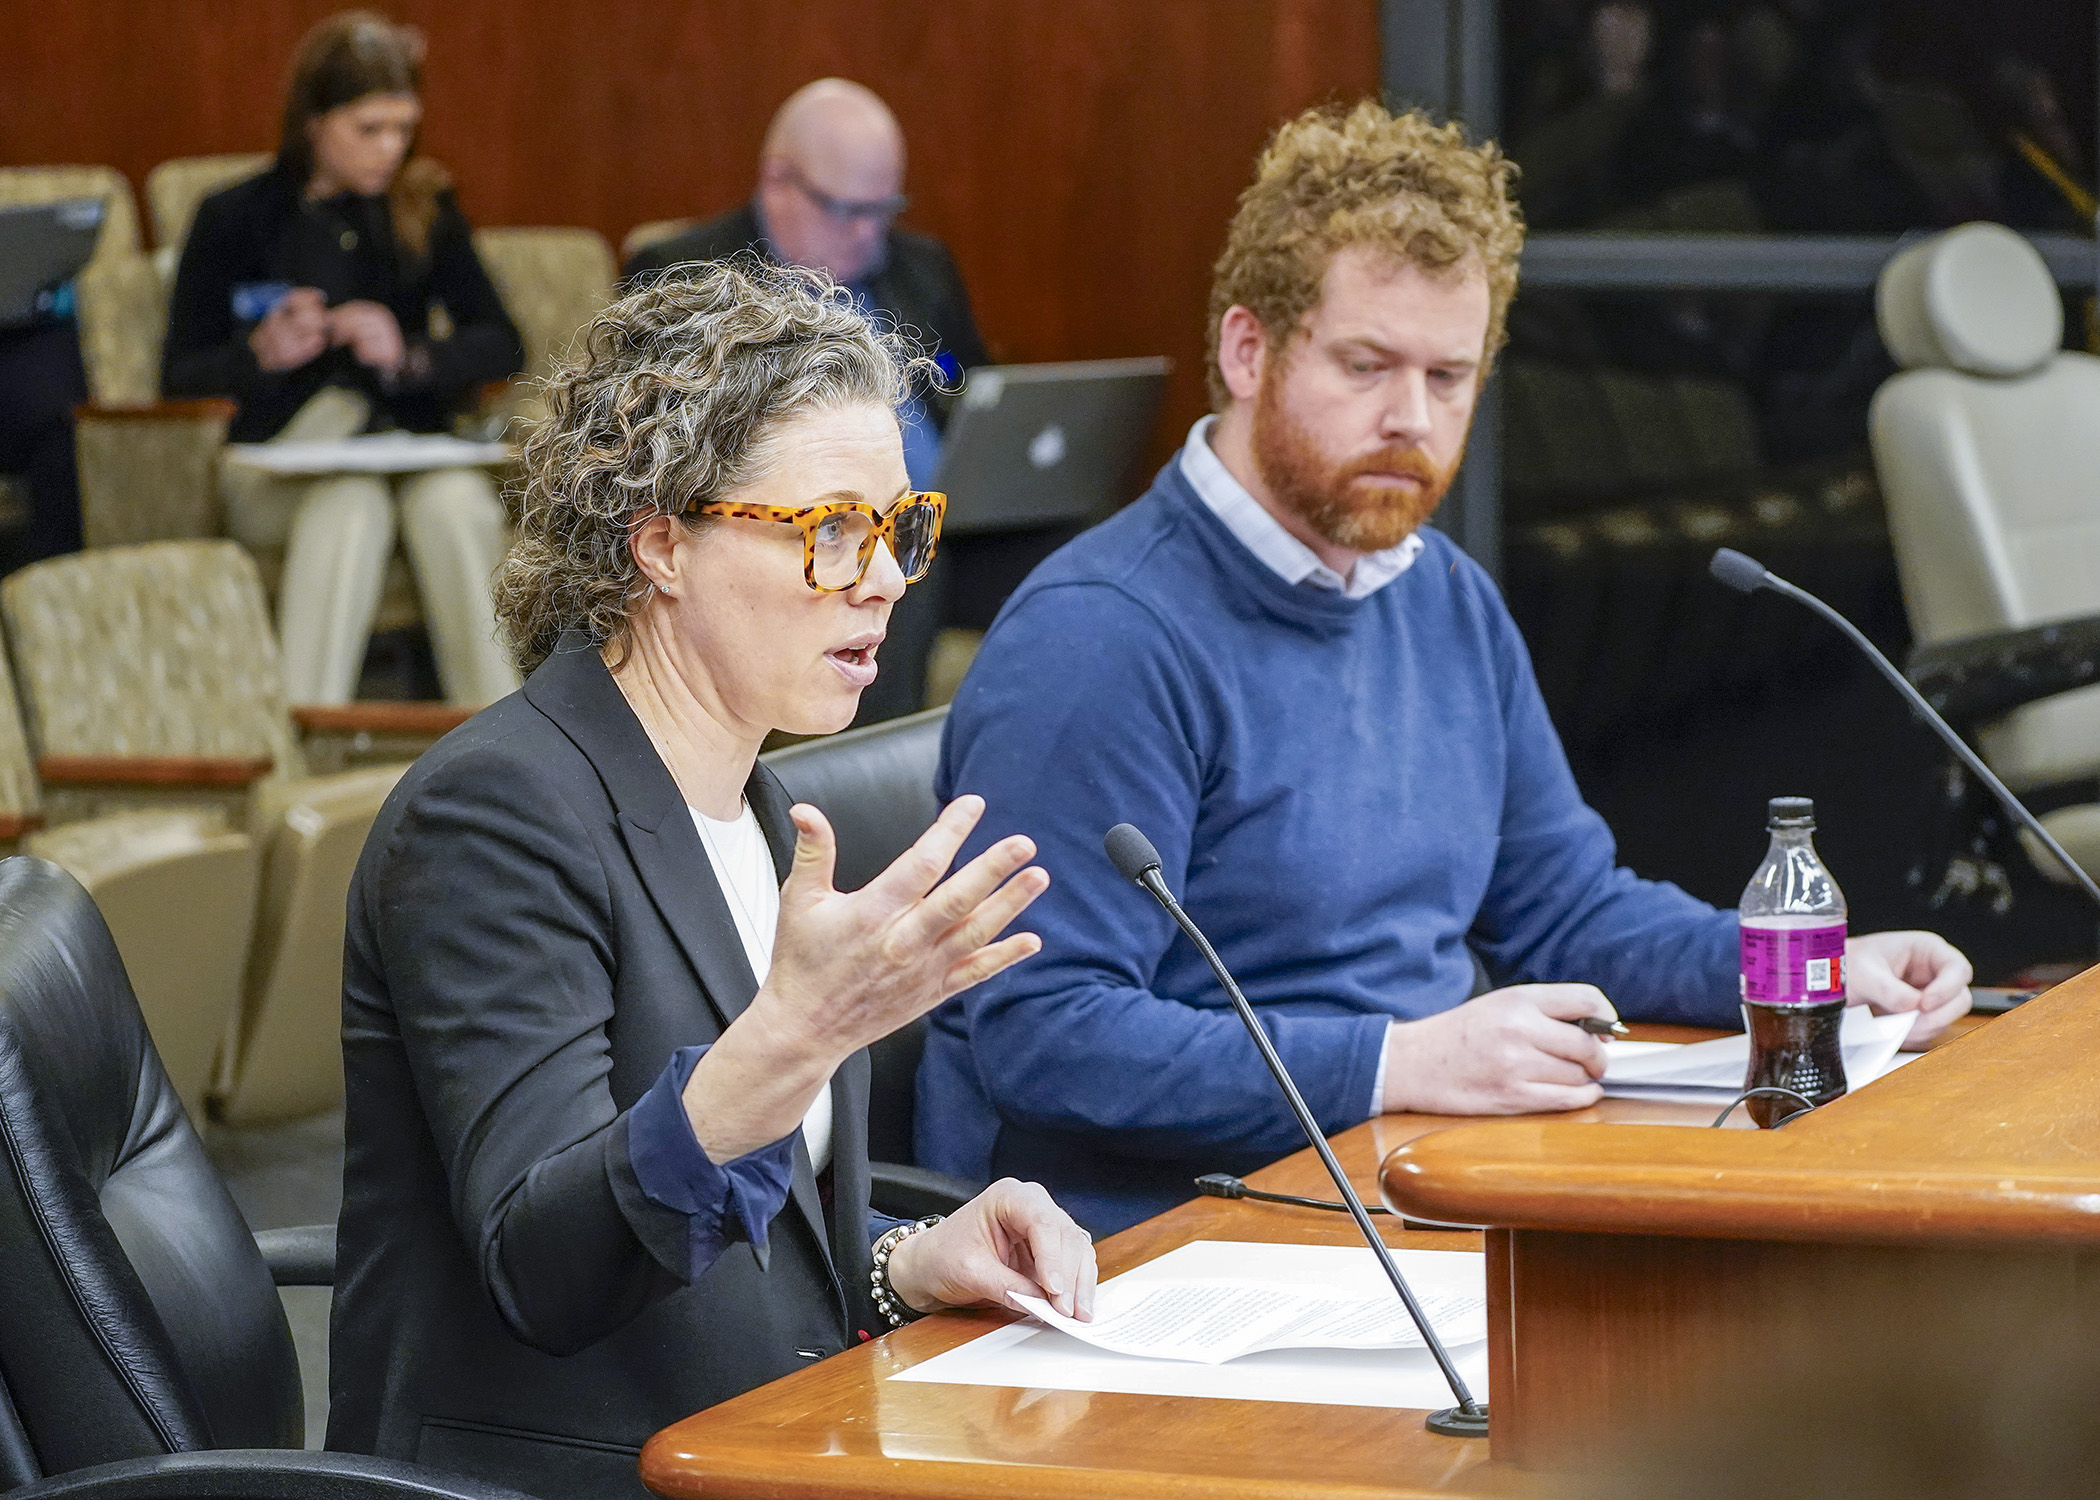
(304, 1256)
(905, 1192)
(1982, 676)
(261, 1474)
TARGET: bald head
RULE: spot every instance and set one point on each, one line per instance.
(831, 178)
(835, 125)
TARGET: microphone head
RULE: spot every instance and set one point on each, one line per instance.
(1131, 852)
(1746, 574)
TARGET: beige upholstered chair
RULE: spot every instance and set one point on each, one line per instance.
(123, 315)
(552, 281)
(148, 474)
(177, 890)
(1988, 447)
(165, 651)
(642, 236)
(177, 186)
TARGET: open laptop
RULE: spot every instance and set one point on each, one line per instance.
(1047, 445)
(42, 247)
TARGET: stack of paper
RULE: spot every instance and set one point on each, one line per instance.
(1712, 1072)
(371, 453)
(1181, 1310)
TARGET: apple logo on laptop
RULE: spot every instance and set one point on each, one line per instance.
(1046, 449)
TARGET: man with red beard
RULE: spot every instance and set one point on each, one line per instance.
(1321, 713)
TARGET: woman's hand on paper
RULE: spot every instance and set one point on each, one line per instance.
(1920, 971)
(1009, 1238)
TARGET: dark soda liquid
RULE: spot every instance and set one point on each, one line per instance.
(1793, 1047)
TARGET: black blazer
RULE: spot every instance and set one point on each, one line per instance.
(918, 284)
(533, 927)
(264, 230)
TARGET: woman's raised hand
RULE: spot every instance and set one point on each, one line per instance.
(850, 967)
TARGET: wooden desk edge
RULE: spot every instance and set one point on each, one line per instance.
(1939, 1152)
(946, 1479)
(1473, 1175)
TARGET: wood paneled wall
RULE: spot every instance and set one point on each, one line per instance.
(1080, 156)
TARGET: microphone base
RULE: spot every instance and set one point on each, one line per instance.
(1455, 1422)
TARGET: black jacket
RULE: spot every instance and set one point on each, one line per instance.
(533, 928)
(918, 284)
(264, 230)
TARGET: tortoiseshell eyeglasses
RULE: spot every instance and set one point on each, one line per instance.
(839, 537)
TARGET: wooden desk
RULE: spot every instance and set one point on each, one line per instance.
(1629, 1265)
(842, 1428)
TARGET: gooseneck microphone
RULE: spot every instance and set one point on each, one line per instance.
(1749, 575)
(1133, 855)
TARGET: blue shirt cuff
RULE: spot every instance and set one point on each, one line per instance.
(734, 1201)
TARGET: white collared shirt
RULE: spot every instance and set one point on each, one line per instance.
(1293, 562)
(1264, 535)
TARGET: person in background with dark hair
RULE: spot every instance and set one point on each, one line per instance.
(830, 188)
(305, 294)
(41, 381)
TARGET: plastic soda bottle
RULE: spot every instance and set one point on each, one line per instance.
(1793, 969)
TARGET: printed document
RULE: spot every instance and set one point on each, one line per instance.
(1213, 1321)
(370, 453)
(1712, 1072)
(1035, 1355)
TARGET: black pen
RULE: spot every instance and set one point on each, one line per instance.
(1598, 1026)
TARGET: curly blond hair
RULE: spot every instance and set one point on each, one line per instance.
(1336, 177)
(668, 402)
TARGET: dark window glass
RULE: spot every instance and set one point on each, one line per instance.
(1854, 116)
(1640, 431)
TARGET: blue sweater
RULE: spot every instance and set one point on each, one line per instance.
(1345, 795)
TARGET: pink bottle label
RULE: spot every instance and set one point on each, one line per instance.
(1794, 965)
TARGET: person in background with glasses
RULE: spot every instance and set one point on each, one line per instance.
(830, 188)
(604, 1015)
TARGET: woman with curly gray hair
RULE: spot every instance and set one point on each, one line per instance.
(607, 1082)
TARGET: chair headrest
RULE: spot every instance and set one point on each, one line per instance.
(1977, 298)
(875, 784)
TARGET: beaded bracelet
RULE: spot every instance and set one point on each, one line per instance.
(887, 1302)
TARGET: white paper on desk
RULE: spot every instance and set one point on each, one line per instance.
(1712, 1072)
(1213, 1321)
(1031, 1356)
(370, 453)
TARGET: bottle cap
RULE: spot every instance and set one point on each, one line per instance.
(1790, 812)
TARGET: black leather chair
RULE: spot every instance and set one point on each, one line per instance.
(876, 787)
(143, 1350)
